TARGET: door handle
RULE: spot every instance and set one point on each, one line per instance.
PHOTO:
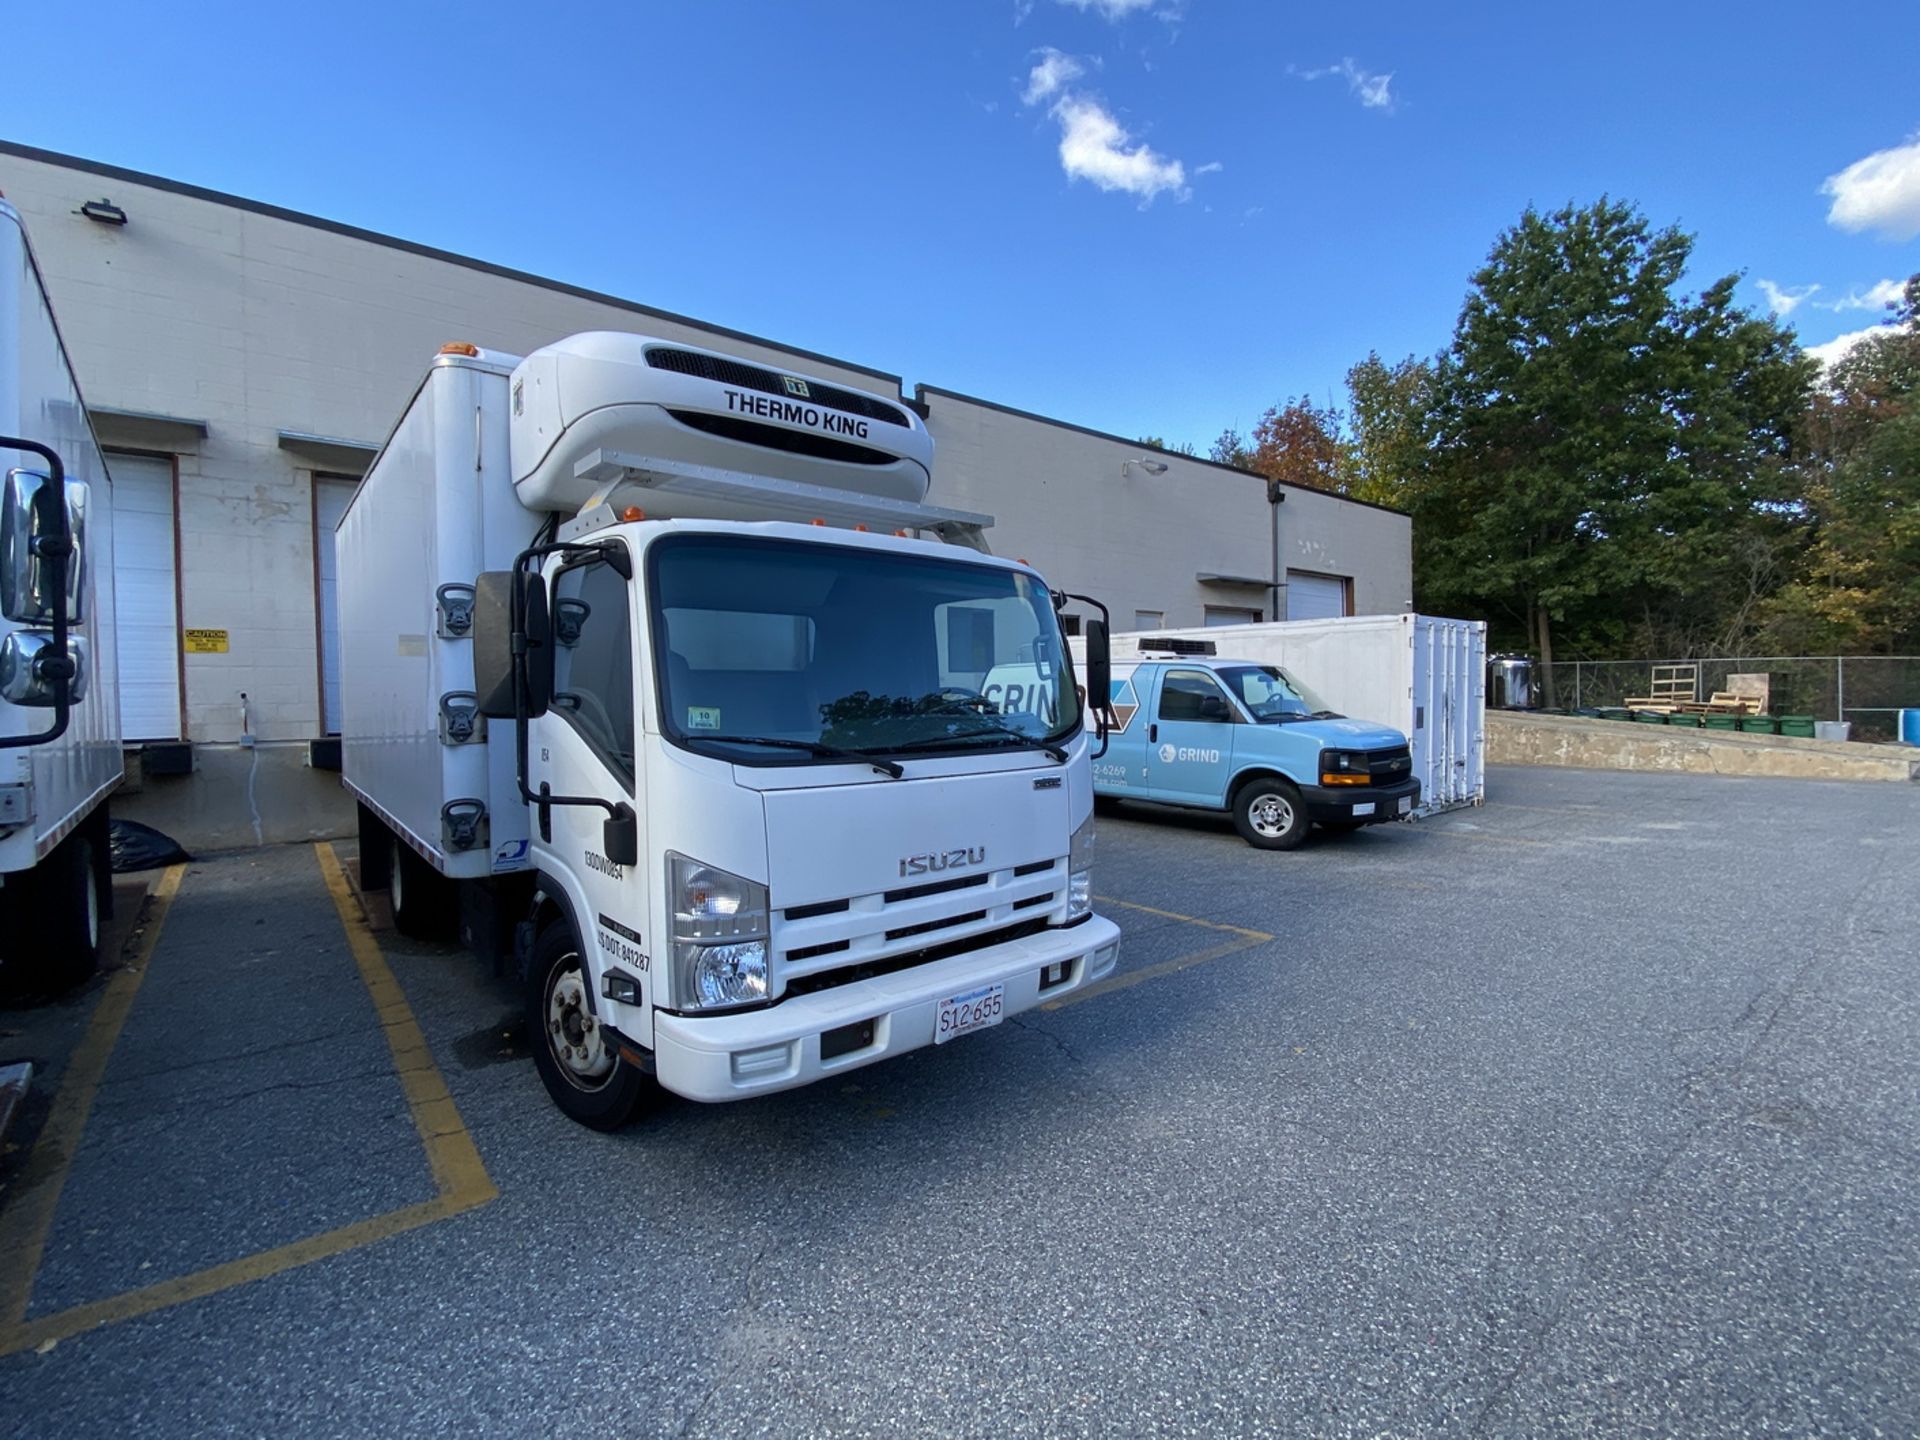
(1153, 733)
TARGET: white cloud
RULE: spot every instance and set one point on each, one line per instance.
(1212, 167)
(1111, 9)
(1880, 193)
(1094, 146)
(1783, 302)
(1372, 88)
(1835, 348)
(1877, 296)
(1054, 72)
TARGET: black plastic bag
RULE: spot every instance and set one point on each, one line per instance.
(141, 847)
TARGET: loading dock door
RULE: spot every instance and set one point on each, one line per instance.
(1316, 597)
(146, 609)
(330, 499)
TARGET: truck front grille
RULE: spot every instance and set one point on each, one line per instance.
(1390, 767)
(824, 943)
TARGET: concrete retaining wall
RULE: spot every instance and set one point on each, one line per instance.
(1516, 739)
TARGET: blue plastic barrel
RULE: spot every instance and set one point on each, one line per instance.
(1910, 726)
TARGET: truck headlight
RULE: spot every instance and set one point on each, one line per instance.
(1344, 767)
(720, 935)
(1080, 871)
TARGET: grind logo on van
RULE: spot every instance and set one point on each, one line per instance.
(1169, 754)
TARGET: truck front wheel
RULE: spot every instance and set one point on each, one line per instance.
(1269, 814)
(579, 1062)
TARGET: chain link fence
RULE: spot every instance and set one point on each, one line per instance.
(1868, 690)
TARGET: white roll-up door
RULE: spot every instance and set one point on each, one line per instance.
(330, 500)
(1316, 597)
(146, 608)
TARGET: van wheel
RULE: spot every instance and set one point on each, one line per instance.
(1269, 814)
(421, 897)
(582, 1069)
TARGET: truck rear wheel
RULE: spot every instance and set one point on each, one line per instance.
(579, 1063)
(422, 898)
(1269, 814)
(58, 916)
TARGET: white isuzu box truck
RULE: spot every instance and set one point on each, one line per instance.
(661, 677)
(59, 712)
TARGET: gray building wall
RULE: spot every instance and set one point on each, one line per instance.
(217, 329)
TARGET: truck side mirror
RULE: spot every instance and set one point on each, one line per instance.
(493, 627)
(1099, 667)
(620, 836)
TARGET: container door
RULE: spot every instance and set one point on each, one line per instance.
(1190, 740)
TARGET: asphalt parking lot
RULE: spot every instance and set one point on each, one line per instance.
(1590, 1112)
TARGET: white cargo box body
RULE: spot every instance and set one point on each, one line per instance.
(1422, 675)
(58, 784)
(435, 510)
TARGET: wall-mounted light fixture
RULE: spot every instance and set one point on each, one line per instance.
(1152, 467)
(104, 211)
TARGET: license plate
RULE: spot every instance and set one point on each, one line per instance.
(975, 1010)
(1406, 804)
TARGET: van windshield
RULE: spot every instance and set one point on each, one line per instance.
(1272, 696)
(841, 648)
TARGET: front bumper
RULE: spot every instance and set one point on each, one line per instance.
(1361, 804)
(729, 1057)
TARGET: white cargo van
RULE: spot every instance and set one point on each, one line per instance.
(59, 713)
(662, 679)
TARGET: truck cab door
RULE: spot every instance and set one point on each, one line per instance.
(585, 744)
(1190, 740)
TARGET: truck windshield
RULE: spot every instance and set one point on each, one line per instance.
(1272, 696)
(855, 649)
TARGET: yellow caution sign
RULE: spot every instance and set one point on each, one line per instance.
(206, 642)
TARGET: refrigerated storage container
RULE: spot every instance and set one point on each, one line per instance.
(1423, 675)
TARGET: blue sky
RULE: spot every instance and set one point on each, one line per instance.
(1148, 216)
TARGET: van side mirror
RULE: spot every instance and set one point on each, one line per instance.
(493, 647)
(620, 836)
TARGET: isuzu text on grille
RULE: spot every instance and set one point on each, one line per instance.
(771, 407)
(942, 860)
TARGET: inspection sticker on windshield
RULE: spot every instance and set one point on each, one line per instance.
(703, 717)
(975, 1010)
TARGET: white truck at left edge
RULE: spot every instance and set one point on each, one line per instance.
(60, 754)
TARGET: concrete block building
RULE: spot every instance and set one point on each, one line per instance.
(244, 363)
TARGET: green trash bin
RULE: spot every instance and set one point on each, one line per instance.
(1723, 722)
(1685, 722)
(1759, 724)
(1800, 725)
(1615, 712)
(1649, 717)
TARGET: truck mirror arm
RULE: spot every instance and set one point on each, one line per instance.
(1098, 666)
(55, 547)
(620, 816)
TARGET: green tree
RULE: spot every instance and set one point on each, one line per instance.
(1231, 449)
(1154, 442)
(1861, 586)
(1605, 452)
(1388, 414)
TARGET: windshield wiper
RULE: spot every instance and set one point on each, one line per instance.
(812, 747)
(1326, 715)
(1006, 731)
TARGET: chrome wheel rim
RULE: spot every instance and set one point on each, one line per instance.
(93, 912)
(395, 870)
(1271, 814)
(573, 1036)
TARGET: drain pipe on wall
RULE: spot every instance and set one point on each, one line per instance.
(248, 744)
(1276, 497)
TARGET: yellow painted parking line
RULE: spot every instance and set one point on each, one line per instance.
(1245, 939)
(28, 1214)
(457, 1169)
(458, 1173)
